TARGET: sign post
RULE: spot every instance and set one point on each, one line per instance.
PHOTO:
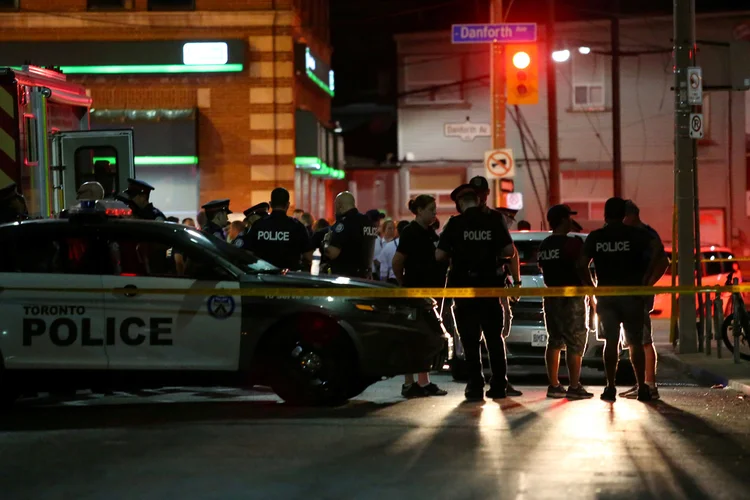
(496, 34)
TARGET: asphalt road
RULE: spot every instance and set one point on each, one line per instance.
(230, 444)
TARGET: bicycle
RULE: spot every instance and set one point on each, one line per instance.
(727, 328)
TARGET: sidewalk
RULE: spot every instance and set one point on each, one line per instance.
(707, 369)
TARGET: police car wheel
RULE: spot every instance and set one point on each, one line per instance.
(308, 373)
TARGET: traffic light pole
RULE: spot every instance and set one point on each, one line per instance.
(684, 49)
(554, 151)
(497, 83)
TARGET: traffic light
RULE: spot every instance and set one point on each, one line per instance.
(522, 74)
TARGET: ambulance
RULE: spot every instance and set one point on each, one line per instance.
(46, 147)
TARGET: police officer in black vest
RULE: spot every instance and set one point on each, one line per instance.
(351, 242)
(559, 258)
(475, 242)
(137, 197)
(280, 239)
(618, 254)
(217, 214)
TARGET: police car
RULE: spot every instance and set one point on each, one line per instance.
(527, 339)
(76, 314)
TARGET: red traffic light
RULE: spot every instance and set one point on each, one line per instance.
(521, 60)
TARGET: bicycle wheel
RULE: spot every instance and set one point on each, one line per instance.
(727, 333)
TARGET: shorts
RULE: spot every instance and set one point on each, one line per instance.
(625, 311)
(565, 319)
(648, 333)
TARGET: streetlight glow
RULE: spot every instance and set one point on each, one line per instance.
(584, 50)
(561, 55)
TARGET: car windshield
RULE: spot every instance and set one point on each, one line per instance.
(527, 252)
(243, 259)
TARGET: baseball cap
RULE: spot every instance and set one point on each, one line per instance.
(557, 213)
(480, 183)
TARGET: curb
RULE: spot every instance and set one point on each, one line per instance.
(702, 375)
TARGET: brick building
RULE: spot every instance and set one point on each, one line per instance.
(227, 98)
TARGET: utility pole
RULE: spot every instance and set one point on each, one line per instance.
(616, 127)
(497, 83)
(684, 50)
(554, 146)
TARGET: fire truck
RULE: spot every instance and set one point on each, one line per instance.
(46, 147)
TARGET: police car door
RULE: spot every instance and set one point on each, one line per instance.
(60, 325)
(181, 330)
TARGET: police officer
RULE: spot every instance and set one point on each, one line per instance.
(12, 205)
(280, 239)
(618, 254)
(217, 217)
(511, 266)
(474, 241)
(252, 215)
(559, 258)
(137, 197)
(351, 242)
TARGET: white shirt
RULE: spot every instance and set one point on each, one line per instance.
(386, 260)
(379, 242)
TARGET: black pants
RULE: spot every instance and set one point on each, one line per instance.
(474, 317)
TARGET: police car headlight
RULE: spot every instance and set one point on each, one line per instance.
(409, 313)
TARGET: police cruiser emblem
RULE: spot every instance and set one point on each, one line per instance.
(220, 307)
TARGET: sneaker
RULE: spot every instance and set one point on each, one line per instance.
(497, 393)
(513, 392)
(413, 391)
(578, 393)
(634, 394)
(609, 394)
(556, 392)
(630, 393)
(644, 394)
(474, 392)
(654, 392)
(433, 390)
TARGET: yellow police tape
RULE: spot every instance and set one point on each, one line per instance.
(455, 293)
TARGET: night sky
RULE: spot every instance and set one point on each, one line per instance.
(364, 56)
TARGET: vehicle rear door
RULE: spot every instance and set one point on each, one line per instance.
(60, 323)
(184, 329)
(104, 156)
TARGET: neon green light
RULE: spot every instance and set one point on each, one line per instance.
(151, 68)
(320, 83)
(306, 160)
(320, 168)
(154, 160)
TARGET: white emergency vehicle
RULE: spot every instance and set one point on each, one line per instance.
(76, 313)
(46, 147)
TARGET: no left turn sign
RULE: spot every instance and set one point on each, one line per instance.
(499, 163)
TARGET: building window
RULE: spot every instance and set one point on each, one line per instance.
(590, 213)
(171, 4)
(110, 4)
(8, 4)
(588, 83)
(433, 79)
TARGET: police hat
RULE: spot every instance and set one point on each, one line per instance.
(375, 215)
(259, 209)
(217, 206)
(480, 183)
(557, 213)
(137, 187)
(460, 189)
